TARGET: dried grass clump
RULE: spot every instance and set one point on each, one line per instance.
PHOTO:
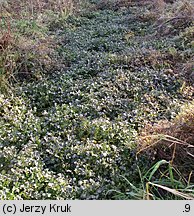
(6, 59)
(173, 141)
(112, 4)
(183, 8)
(176, 18)
(187, 36)
(157, 5)
(23, 56)
(27, 50)
(35, 57)
(5, 37)
(186, 72)
(32, 8)
(152, 10)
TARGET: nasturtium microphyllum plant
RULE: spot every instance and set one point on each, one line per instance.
(73, 134)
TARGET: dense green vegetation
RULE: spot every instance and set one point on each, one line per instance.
(71, 131)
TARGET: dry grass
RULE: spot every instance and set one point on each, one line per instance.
(113, 5)
(33, 8)
(157, 5)
(27, 50)
(173, 141)
(177, 193)
(176, 18)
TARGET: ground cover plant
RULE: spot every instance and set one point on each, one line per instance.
(96, 100)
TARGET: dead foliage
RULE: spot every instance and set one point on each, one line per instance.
(27, 54)
(185, 70)
(174, 20)
(173, 141)
(112, 5)
(32, 8)
(5, 37)
(157, 5)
